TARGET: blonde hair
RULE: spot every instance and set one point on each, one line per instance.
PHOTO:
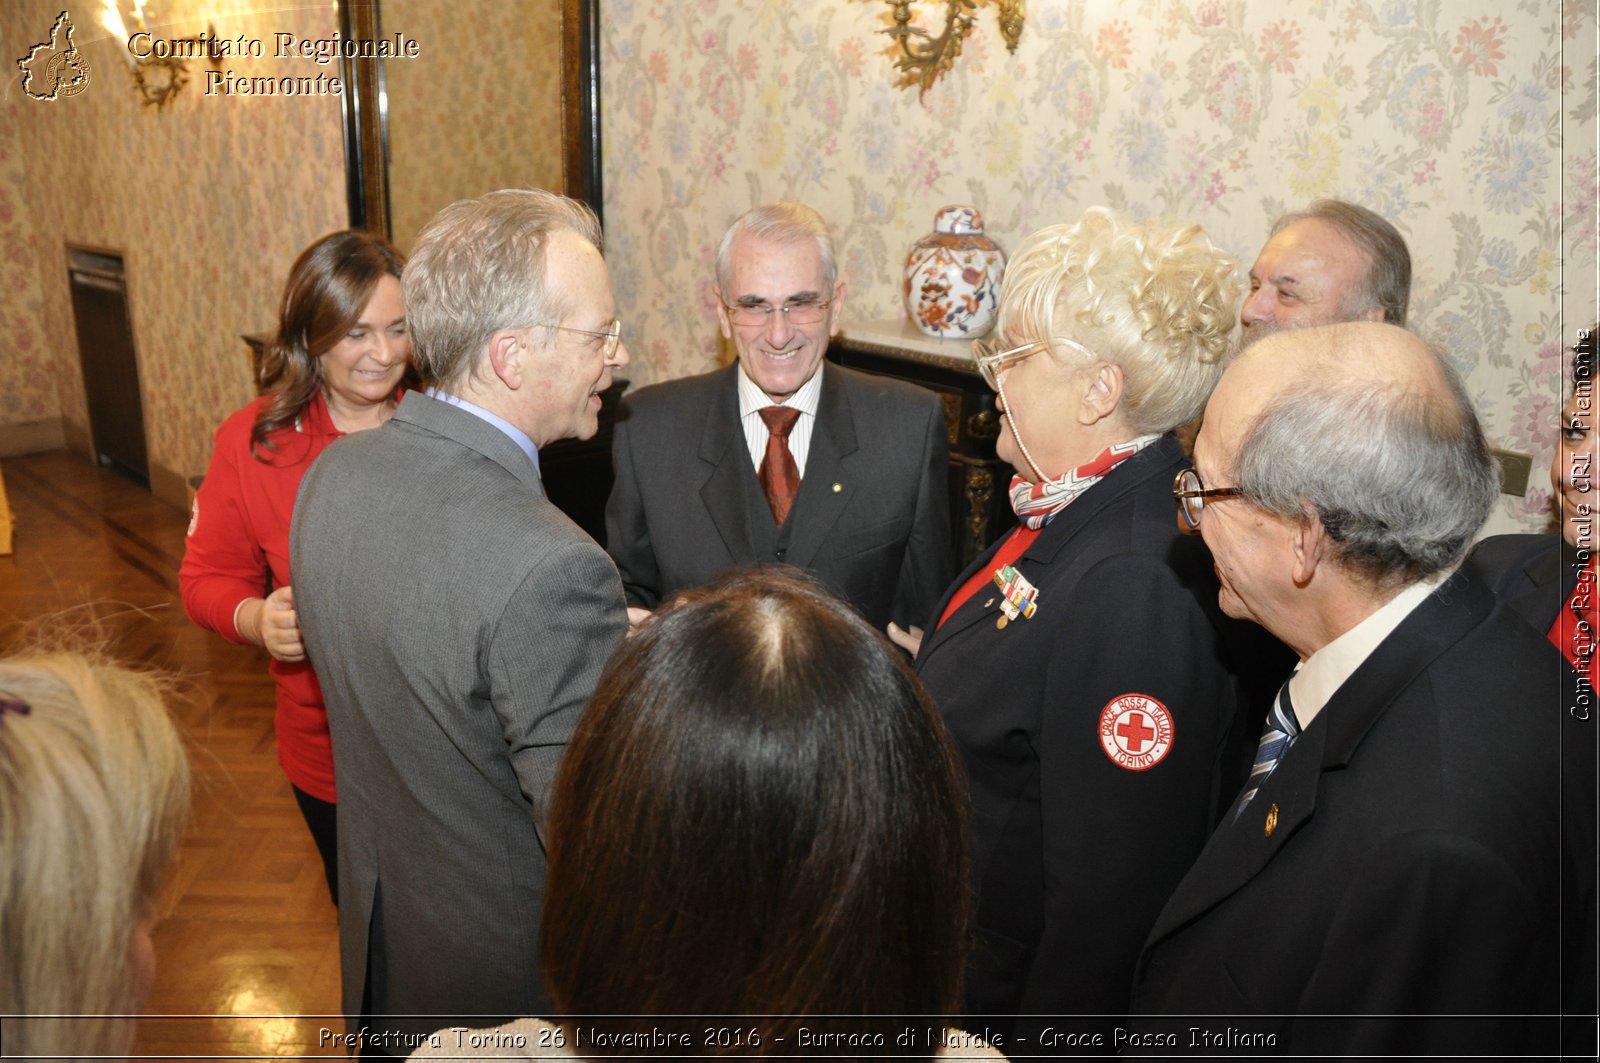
(1157, 299)
(94, 790)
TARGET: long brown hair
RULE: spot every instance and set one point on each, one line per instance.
(759, 816)
(328, 287)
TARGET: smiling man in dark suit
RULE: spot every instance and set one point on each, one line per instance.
(1388, 881)
(778, 458)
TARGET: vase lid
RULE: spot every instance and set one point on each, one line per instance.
(960, 220)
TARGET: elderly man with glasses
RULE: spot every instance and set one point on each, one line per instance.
(1387, 882)
(780, 458)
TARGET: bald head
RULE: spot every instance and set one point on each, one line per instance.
(1356, 356)
(1365, 427)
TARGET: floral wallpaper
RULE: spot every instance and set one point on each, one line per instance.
(208, 201)
(503, 131)
(27, 390)
(1469, 124)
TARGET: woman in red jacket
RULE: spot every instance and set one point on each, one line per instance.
(336, 366)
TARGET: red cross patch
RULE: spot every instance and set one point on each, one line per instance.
(1136, 731)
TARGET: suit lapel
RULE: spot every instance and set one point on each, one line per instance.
(971, 611)
(833, 447)
(1158, 459)
(725, 493)
(1239, 848)
(1550, 577)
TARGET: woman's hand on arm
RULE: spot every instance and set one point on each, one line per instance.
(271, 622)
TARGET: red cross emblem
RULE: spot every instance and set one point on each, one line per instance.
(1135, 731)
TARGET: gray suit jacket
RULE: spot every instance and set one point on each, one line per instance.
(872, 519)
(458, 622)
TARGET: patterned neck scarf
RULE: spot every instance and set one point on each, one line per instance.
(1037, 504)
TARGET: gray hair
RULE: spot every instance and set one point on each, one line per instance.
(1401, 480)
(782, 223)
(1387, 284)
(478, 268)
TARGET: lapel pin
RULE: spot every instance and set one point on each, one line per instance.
(1018, 597)
(837, 488)
(1272, 820)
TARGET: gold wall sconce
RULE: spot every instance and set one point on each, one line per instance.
(158, 65)
(924, 58)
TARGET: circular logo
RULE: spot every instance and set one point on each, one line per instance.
(67, 74)
(1136, 731)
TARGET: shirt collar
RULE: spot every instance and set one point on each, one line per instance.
(517, 435)
(752, 398)
(1321, 675)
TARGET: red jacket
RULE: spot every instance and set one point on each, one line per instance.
(238, 548)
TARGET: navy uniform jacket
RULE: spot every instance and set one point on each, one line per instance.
(871, 520)
(1534, 575)
(1074, 852)
(1402, 860)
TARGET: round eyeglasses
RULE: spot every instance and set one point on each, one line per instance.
(756, 315)
(1191, 495)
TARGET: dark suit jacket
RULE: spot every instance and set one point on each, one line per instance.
(1073, 854)
(459, 623)
(1534, 575)
(871, 519)
(1401, 860)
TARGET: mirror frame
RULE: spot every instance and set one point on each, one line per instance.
(366, 115)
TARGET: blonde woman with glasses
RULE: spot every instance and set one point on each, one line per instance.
(1080, 663)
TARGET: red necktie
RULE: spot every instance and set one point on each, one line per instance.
(779, 475)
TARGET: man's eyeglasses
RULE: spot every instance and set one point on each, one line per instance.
(756, 315)
(612, 335)
(1191, 495)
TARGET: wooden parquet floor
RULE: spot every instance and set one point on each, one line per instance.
(247, 950)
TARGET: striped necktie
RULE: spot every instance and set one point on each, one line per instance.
(1276, 735)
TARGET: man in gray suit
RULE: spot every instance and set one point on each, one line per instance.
(457, 619)
(778, 458)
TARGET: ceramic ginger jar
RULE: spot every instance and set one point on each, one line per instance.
(952, 278)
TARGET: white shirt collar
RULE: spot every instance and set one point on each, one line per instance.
(752, 398)
(1321, 675)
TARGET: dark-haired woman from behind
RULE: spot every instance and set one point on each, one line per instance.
(336, 366)
(758, 820)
